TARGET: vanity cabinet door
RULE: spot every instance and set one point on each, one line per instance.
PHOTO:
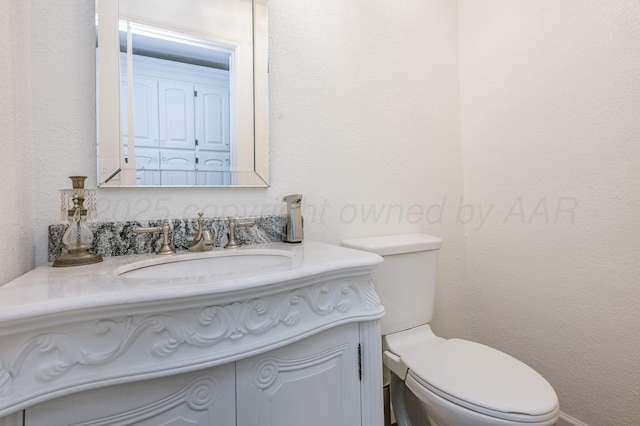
(14, 419)
(314, 382)
(203, 398)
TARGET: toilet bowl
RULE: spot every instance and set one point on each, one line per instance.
(445, 382)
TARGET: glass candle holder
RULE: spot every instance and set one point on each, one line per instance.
(78, 236)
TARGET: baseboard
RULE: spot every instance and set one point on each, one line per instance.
(567, 420)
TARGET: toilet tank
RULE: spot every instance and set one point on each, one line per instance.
(406, 280)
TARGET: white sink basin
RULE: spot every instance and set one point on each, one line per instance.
(207, 264)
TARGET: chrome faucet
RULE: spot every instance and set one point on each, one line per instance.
(166, 248)
(293, 230)
(204, 239)
(232, 232)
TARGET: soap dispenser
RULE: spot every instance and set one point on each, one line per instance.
(293, 228)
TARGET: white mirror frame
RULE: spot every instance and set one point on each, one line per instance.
(252, 114)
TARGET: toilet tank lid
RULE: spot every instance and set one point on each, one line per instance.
(386, 245)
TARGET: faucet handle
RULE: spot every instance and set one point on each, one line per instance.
(232, 243)
(166, 248)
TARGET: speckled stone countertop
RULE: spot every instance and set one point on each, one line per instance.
(118, 238)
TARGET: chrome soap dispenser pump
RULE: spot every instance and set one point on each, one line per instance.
(293, 228)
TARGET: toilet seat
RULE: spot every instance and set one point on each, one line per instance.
(471, 375)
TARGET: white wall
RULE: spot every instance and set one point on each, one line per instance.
(16, 214)
(551, 116)
(364, 117)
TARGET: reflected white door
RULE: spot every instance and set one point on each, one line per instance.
(212, 118)
(176, 111)
(145, 111)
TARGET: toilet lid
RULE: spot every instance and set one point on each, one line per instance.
(480, 377)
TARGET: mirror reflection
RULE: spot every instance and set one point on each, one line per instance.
(176, 86)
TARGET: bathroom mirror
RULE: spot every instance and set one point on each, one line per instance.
(182, 93)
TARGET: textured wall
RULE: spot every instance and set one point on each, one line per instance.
(363, 117)
(16, 214)
(550, 131)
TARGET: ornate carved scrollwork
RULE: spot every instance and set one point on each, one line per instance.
(6, 385)
(59, 352)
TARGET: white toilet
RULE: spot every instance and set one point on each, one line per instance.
(437, 381)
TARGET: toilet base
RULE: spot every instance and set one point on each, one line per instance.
(407, 409)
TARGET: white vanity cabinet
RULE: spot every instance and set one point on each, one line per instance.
(295, 342)
(316, 379)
